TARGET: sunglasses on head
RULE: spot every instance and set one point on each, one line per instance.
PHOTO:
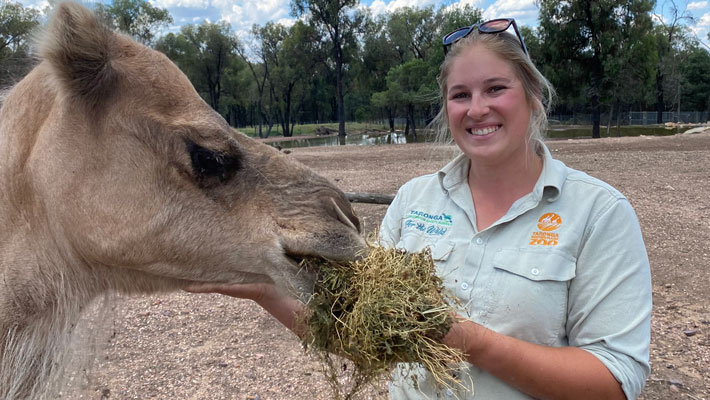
(492, 26)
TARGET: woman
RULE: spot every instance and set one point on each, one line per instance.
(549, 262)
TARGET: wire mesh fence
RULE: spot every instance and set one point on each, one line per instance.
(632, 118)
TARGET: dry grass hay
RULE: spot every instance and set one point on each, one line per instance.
(387, 308)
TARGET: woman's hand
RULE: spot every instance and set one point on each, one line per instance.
(257, 292)
(540, 371)
(288, 310)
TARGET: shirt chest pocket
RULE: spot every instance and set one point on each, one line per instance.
(440, 249)
(529, 293)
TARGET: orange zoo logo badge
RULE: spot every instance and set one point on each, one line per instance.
(547, 223)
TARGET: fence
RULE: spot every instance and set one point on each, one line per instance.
(633, 118)
(626, 118)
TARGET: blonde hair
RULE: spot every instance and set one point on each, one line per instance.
(538, 90)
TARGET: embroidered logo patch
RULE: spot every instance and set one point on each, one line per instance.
(547, 223)
(431, 224)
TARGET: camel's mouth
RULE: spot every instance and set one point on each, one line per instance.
(294, 258)
(306, 263)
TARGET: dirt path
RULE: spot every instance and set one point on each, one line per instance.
(181, 346)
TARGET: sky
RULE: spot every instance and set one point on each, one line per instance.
(242, 14)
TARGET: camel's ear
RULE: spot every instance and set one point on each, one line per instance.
(79, 48)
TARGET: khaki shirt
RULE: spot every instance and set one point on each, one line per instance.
(565, 266)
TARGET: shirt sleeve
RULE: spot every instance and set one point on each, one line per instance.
(609, 309)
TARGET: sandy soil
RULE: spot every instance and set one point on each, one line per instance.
(184, 346)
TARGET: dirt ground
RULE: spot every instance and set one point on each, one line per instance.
(187, 346)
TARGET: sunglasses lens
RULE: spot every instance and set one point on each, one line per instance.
(456, 35)
(496, 25)
(492, 26)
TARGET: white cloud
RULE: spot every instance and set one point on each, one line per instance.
(181, 3)
(704, 20)
(377, 7)
(463, 3)
(698, 5)
(36, 4)
(243, 14)
(524, 11)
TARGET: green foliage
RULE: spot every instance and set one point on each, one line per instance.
(340, 63)
(695, 81)
(600, 46)
(205, 53)
(137, 18)
(16, 24)
(339, 22)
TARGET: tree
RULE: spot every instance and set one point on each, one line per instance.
(589, 34)
(259, 72)
(237, 93)
(412, 85)
(16, 24)
(203, 52)
(669, 34)
(137, 18)
(630, 69)
(695, 80)
(413, 31)
(294, 69)
(378, 57)
(338, 20)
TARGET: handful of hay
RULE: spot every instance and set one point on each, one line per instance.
(378, 311)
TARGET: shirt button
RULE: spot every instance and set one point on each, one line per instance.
(535, 271)
(464, 286)
(479, 241)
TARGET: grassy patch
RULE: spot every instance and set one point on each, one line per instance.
(309, 129)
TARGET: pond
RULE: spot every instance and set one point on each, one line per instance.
(377, 138)
(364, 139)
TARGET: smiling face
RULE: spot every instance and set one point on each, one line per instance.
(488, 112)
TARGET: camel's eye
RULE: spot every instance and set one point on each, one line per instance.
(211, 164)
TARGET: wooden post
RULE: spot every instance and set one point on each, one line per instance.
(369, 198)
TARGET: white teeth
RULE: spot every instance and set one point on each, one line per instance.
(484, 131)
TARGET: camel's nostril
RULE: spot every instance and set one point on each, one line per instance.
(348, 219)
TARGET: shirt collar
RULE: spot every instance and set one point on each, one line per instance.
(552, 178)
(454, 173)
(548, 185)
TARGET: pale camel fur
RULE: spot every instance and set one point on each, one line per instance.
(116, 176)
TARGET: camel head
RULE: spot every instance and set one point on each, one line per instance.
(112, 160)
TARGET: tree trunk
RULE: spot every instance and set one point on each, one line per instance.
(597, 79)
(390, 118)
(261, 117)
(287, 110)
(618, 118)
(659, 95)
(414, 125)
(339, 88)
(608, 120)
